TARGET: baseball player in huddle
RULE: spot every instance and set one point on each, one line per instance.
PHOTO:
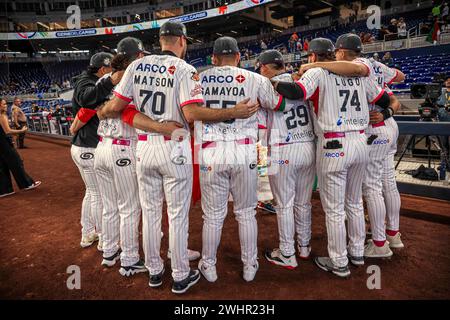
(341, 115)
(88, 94)
(379, 186)
(167, 93)
(228, 156)
(115, 167)
(292, 159)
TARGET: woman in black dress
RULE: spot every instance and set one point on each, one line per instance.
(10, 161)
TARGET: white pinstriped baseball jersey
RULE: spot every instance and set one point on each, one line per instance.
(382, 74)
(295, 125)
(115, 127)
(224, 87)
(340, 103)
(159, 86)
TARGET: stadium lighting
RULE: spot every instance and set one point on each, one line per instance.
(277, 30)
(232, 31)
(219, 34)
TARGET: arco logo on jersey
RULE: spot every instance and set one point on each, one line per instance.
(147, 67)
(222, 79)
(205, 168)
(334, 154)
(381, 142)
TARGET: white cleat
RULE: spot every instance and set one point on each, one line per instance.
(276, 257)
(88, 240)
(304, 252)
(192, 255)
(373, 251)
(209, 273)
(395, 241)
(250, 272)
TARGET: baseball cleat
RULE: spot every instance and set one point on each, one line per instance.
(326, 264)
(192, 255)
(34, 185)
(395, 241)
(156, 279)
(304, 252)
(250, 272)
(88, 240)
(209, 273)
(266, 206)
(182, 286)
(276, 257)
(135, 268)
(6, 194)
(356, 261)
(111, 260)
(373, 251)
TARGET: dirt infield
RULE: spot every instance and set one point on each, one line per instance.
(40, 233)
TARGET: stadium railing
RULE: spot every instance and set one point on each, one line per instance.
(49, 124)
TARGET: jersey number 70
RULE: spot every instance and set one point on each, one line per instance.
(158, 101)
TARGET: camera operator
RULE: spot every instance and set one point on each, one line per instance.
(444, 114)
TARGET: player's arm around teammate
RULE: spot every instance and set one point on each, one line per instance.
(292, 169)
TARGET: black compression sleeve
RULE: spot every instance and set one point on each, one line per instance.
(384, 101)
(290, 90)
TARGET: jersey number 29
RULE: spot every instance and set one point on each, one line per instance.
(301, 113)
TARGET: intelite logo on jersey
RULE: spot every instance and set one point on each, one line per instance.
(334, 154)
(351, 121)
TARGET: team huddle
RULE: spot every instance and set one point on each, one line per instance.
(132, 144)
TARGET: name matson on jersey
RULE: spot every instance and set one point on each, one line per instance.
(340, 103)
(295, 125)
(224, 87)
(159, 86)
(143, 79)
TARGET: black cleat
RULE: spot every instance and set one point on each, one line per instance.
(135, 268)
(356, 261)
(111, 260)
(156, 279)
(326, 264)
(183, 285)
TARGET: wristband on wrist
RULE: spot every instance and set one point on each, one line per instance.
(387, 113)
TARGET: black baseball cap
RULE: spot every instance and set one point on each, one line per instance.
(269, 57)
(320, 45)
(131, 47)
(225, 45)
(349, 41)
(173, 28)
(101, 59)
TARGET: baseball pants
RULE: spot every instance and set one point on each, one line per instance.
(115, 167)
(229, 166)
(341, 172)
(390, 191)
(92, 206)
(373, 184)
(164, 169)
(292, 184)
